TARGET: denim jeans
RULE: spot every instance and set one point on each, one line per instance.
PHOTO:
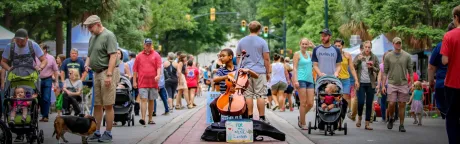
(45, 99)
(383, 106)
(441, 101)
(164, 98)
(365, 93)
(453, 115)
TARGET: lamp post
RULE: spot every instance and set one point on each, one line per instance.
(284, 28)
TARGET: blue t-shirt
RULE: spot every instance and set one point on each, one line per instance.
(255, 47)
(223, 71)
(68, 64)
(436, 60)
(418, 95)
(205, 75)
(25, 50)
(327, 58)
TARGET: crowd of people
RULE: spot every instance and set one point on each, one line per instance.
(363, 77)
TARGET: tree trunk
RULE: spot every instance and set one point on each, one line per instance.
(429, 17)
(8, 18)
(59, 36)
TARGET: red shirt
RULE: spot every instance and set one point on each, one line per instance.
(451, 48)
(191, 75)
(146, 66)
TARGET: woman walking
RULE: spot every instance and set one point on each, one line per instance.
(367, 66)
(170, 73)
(123, 67)
(182, 83)
(303, 80)
(279, 82)
(290, 88)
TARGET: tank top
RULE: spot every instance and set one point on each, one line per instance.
(343, 73)
(305, 68)
(277, 73)
(121, 67)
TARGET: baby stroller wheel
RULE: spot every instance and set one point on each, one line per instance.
(309, 127)
(123, 123)
(325, 131)
(345, 128)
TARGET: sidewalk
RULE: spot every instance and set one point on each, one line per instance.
(190, 132)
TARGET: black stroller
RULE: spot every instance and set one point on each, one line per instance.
(27, 78)
(327, 120)
(124, 103)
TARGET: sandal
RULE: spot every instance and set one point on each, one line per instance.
(358, 123)
(142, 122)
(367, 127)
(274, 108)
(178, 107)
(415, 122)
(302, 127)
(151, 123)
(190, 106)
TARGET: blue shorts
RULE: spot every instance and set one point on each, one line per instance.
(305, 84)
(346, 85)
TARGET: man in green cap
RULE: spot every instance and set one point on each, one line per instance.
(102, 59)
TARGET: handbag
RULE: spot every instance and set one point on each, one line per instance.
(59, 101)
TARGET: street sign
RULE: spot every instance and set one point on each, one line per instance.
(239, 131)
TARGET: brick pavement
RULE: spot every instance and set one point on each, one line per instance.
(190, 132)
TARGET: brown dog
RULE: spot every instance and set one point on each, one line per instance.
(79, 125)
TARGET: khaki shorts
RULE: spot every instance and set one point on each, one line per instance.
(148, 93)
(105, 95)
(280, 86)
(398, 93)
(256, 88)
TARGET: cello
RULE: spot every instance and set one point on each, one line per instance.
(232, 102)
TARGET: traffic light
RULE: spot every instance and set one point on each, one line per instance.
(281, 51)
(213, 14)
(159, 47)
(265, 31)
(188, 17)
(243, 25)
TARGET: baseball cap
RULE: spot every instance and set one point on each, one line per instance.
(397, 39)
(148, 41)
(92, 19)
(326, 31)
(21, 34)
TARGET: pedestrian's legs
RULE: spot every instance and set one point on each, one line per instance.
(154, 106)
(354, 107)
(45, 99)
(109, 116)
(151, 104)
(275, 98)
(396, 111)
(179, 98)
(261, 106)
(402, 112)
(98, 116)
(192, 96)
(281, 100)
(441, 102)
(361, 98)
(186, 96)
(214, 112)
(289, 97)
(164, 98)
(453, 115)
(383, 106)
(369, 102)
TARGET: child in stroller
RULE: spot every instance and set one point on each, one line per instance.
(19, 93)
(329, 101)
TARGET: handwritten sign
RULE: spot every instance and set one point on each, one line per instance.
(210, 96)
(239, 131)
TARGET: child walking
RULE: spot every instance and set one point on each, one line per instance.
(417, 103)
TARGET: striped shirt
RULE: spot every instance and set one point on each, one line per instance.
(223, 71)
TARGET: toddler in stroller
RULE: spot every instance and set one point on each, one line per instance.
(329, 101)
(19, 93)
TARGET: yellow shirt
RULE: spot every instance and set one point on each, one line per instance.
(343, 73)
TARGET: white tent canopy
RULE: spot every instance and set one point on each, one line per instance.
(5, 37)
(380, 45)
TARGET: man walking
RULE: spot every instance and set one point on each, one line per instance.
(147, 71)
(102, 59)
(326, 58)
(46, 77)
(259, 62)
(450, 55)
(397, 64)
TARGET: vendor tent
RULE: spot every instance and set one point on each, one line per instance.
(5, 37)
(380, 45)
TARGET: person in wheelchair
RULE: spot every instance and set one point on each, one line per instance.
(72, 93)
(19, 93)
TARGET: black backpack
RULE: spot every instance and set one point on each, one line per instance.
(170, 74)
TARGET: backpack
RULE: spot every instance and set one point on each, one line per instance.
(170, 74)
(12, 46)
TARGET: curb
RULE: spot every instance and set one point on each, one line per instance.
(162, 134)
(293, 135)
